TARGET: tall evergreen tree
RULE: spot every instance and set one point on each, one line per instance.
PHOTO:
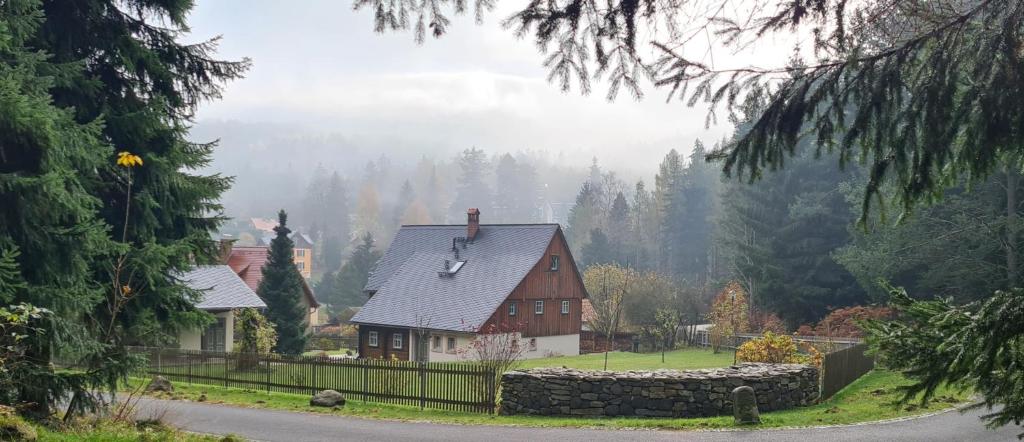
(281, 290)
(687, 218)
(406, 196)
(584, 216)
(598, 250)
(472, 189)
(516, 195)
(84, 80)
(353, 275)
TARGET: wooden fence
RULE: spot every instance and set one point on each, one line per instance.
(842, 367)
(448, 386)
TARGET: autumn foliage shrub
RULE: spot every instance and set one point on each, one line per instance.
(845, 322)
(776, 349)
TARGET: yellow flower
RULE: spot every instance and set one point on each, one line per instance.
(127, 159)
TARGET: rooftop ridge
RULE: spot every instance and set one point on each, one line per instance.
(483, 225)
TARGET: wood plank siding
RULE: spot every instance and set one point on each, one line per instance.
(385, 348)
(551, 287)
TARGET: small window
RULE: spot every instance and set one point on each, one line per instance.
(437, 343)
(301, 265)
(372, 339)
(533, 344)
(300, 252)
(538, 307)
(554, 263)
(396, 341)
(565, 307)
(512, 309)
(451, 344)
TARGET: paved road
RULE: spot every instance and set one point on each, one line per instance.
(285, 426)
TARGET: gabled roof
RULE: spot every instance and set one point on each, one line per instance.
(247, 263)
(221, 287)
(410, 293)
(301, 240)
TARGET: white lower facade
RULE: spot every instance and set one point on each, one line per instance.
(443, 346)
(219, 336)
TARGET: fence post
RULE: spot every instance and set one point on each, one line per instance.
(269, 371)
(423, 384)
(366, 378)
(225, 369)
(491, 391)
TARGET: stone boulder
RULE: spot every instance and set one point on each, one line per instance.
(159, 383)
(327, 398)
(744, 406)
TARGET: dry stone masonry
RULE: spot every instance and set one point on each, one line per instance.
(662, 393)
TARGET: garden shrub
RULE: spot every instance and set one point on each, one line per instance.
(772, 348)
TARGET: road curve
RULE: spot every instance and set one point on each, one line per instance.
(287, 426)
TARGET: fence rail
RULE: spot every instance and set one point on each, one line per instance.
(842, 367)
(449, 386)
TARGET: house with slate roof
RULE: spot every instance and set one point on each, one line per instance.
(248, 262)
(223, 292)
(437, 286)
(302, 251)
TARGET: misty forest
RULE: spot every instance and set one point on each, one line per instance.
(806, 169)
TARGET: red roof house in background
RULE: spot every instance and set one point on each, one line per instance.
(247, 263)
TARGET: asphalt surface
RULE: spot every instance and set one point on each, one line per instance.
(286, 426)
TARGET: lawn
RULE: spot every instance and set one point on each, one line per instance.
(685, 359)
(873, 397)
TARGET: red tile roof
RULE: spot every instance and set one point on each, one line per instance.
(248, 263)
(588, 314)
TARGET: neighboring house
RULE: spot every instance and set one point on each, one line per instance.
(303, 251)
(263, 224)
(436, 286)
(247, 263)
(223, 293)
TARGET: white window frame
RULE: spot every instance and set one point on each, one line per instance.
(565, 307)
(555, 263)
(452, 344)
(538, 307)
(397, 341)
(512, 309)
(373, 339)
(435, 345)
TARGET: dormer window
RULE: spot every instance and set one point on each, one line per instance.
(512, 309)
(554, 263)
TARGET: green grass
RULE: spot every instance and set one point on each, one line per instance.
(327, 352)
(108, 432)
(685, 359)
(870, 398)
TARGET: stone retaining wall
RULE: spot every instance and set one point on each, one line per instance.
(664, 393)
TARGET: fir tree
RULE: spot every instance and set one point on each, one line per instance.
(472, 190)
(72, 211)
(598, 250)
(281, 290)
(354, 273)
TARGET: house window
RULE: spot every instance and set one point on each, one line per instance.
(372, 339)
(437, 344)
(451, 343)
(301, 265)
(565, 307)
(533, 344)
(214, 336)
(538, 307)
(396, 341)
(512, 309)
(300, 252)
(554, 263)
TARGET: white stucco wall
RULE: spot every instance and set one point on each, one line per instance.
(462, 342)
(563, 345)
(193, 339)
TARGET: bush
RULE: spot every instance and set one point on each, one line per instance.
(772, 348)
(846, 322)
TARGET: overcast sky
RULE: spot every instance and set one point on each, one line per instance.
(320, 65)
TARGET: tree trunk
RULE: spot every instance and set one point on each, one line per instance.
(1011, 226)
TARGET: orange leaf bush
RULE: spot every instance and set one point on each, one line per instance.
(777, 349)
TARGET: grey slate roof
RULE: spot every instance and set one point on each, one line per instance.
(409, 292)
(221, 287)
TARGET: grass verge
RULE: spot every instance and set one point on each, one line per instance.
(873, 397)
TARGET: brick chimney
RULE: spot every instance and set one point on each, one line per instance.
(472, 223)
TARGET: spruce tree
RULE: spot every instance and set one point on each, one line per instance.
(281, 290)
(354, 274)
